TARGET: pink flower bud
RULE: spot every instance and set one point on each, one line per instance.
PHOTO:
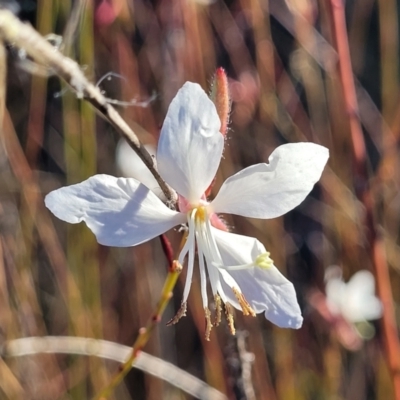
(221, 98)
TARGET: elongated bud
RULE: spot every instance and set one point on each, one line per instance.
(221, 98)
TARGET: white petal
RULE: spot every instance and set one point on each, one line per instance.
(190, 146)
(335, 290)
(271, 190)
(121, 212)
(265, 289)
(131, 166)
(361, 302)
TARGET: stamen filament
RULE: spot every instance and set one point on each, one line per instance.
(191, 250)
(203, 277)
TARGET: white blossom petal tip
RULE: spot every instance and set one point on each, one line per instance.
(271, 190)
(120, 212)
(190, 145)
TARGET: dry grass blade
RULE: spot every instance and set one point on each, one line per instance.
(116, 352)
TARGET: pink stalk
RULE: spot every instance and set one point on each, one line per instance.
(376, 245)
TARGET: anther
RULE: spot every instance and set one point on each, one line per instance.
(208, 323)
(229, 317)
(181, 313)
(218, 310)
(244, 304)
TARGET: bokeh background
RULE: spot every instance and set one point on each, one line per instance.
(285, 83)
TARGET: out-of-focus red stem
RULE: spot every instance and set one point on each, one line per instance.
(167, 249)
(346, 74)
(376, 245)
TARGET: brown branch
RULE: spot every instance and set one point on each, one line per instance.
(23, 36)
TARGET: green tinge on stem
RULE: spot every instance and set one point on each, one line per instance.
(221, 98)
(145, 333)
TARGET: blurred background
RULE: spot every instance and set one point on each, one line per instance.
(286, 85)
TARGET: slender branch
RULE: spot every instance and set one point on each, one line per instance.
(111, 351)
(375, 242)
(23, 36)
(145, 333)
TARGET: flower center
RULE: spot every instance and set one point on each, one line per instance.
(200, 236)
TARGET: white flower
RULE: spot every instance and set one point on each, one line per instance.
(123, 212)
(354, 300)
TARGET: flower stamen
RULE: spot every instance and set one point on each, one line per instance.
(201, 214)
(244, 304)
(181, 313)
(218, 310)
(209, 325)
(229, 318)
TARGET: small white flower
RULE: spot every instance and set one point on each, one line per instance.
(354, 300)
(123, 212)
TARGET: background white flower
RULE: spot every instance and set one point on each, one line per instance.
(123, 212)
(354, 300)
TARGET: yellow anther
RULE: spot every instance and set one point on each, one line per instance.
(246, 307)
(181, 313)
(264, 261)
(209, 325)
(229, 317)
(201, 214)
(218, 310)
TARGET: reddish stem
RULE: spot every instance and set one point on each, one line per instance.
(375, 243)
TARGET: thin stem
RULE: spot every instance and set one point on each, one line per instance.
(23, 36)
(90, 347)
(347, 80)
(144, 333)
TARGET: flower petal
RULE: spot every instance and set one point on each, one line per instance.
(131, 166)
(271, 190)
(121, 212)
(361, 302)
(190, 146)
(265, 289)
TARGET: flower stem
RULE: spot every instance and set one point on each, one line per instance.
(375, 240)
(23, 36)
(144, 333)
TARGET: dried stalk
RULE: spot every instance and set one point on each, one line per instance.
(111, 351)
(375, 241)
(23, 36)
